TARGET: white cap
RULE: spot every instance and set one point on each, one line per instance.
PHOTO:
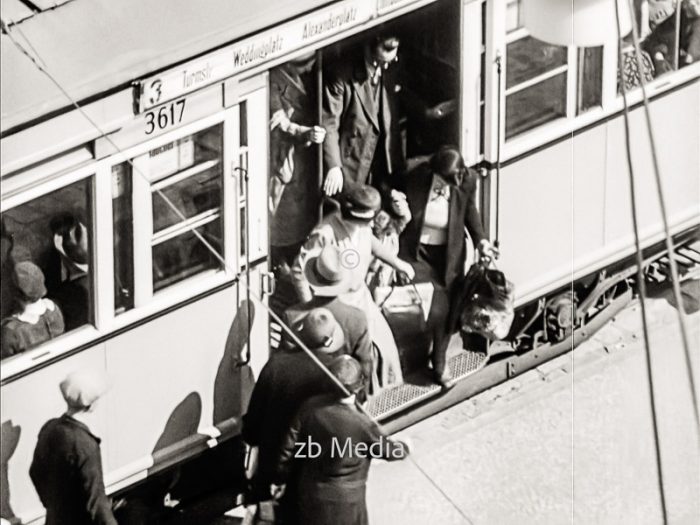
(82, 388)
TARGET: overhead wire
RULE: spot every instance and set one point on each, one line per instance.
(668, 239)
(219, 257)
(640, 269)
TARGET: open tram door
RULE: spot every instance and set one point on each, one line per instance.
(248, 141)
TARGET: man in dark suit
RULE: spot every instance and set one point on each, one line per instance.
(67, 465)
(328, 279)
(288, 379)
(332, 444)
(361, 118)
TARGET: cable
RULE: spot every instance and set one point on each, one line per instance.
(664, 216)
(640, 270)
(249, 292)
(177, 211)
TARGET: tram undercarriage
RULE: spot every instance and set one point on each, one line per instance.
(543, 329)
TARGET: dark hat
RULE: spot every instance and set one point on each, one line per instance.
(29, 280)
(75, 243)
(326, 275)
(320, 331)
(81, 388)
(362, 202)
(349, 372)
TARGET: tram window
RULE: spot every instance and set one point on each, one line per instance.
(536, 105)
(186, 194)
(54, 232)
(536, 76)
(590, 78)
(123, 218)
(513, 15)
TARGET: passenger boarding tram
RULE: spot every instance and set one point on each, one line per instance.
(125, 101)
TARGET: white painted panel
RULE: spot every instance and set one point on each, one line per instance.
(170, 377)
(678, 146)
(588, 170)
(27, 404)
(257, 108)
(535, 216)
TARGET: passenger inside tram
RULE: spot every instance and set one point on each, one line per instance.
(670, 39)
(294, 184)
(35, 319)
(52, 232)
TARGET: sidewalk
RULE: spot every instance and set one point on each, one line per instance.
(569, 442)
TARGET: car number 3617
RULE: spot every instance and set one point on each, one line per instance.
(166, 116)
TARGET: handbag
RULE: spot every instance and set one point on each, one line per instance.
(488, 299)
(405, 301)
(406, 310)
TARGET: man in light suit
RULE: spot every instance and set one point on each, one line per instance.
(360, 115)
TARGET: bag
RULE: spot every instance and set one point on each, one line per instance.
(405, 301)
(406, 310)
(488, 303)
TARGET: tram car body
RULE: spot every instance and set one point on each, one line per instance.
(179, 105)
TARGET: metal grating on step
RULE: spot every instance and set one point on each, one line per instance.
(400, 397)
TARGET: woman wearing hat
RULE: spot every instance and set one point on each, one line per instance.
(351, 232)
(442, 197)
(37, 319)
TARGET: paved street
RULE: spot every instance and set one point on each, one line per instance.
(570, 442)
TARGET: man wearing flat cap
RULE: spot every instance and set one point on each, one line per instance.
(289, 378)
(332, 443)
(328, 279)
(350, 232)
(67, 465)
(36, 319)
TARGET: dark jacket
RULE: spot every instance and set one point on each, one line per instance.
(352, 320)
(297, 211)
(332, 486)
(354, 122)
(19, 336)
(67, 473)
(463, 213)
(287, 380)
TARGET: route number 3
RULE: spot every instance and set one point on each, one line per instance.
(167, 115)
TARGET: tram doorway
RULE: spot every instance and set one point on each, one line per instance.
(418, 104)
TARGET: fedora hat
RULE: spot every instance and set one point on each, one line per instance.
(320, 331)
(325, 273)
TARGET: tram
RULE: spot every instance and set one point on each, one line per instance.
(107, 105)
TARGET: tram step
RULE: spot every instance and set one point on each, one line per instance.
(418, 388)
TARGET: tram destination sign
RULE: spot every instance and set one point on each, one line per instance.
(253, 51)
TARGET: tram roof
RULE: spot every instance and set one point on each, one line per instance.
(92, 46)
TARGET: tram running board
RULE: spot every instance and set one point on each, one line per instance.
(416, 389)
(687, 257)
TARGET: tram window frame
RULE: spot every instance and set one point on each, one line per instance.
(147, 300)
(84, 333)
(506, 30)
(610, 99)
